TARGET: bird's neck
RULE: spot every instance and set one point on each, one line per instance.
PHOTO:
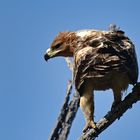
(72, 42)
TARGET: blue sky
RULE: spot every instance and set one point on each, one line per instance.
(32, 91)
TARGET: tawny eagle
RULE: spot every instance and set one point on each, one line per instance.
(102, 60)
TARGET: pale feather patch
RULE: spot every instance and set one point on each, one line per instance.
(84, 33)
(48, 50)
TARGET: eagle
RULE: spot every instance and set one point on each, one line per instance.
(102, 60)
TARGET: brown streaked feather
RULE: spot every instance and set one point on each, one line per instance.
(65, 38)
(102, 55)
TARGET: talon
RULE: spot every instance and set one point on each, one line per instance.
(85, 129)
(89, 125)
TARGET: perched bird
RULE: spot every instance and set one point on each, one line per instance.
(102, 60)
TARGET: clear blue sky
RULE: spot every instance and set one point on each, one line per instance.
(31, 90)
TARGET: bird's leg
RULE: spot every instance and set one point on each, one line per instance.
(117, 97)
(87, 106)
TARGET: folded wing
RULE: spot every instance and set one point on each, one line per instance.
(99, 55)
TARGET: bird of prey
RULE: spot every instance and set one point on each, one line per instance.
(102, 60)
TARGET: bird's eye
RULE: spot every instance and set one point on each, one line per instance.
(57, 46)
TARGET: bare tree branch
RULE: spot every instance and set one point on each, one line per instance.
(62, 116)
(66, 116)
(111, 116)
(68, 112)
(72, 110)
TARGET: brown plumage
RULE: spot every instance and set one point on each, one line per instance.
(102, 60)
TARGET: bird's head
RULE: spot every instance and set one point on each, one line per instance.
(63, 45)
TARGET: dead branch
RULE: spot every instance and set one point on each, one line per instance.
(111, 116)
(68, 112)
(72, 110)
(66, 116)
(58, 128)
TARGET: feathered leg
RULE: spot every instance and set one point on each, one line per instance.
(119, 83)
(87, 106)
(117, 97)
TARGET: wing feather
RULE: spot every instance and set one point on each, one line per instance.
(99, 56)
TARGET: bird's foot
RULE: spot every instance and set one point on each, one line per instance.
(89, 125)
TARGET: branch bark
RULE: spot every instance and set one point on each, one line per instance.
(72, 110)
(58, 128)
(66, 116)
(111, 116)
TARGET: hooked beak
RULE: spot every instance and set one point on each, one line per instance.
(47, 54)
(46, 57)
(50, 54)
